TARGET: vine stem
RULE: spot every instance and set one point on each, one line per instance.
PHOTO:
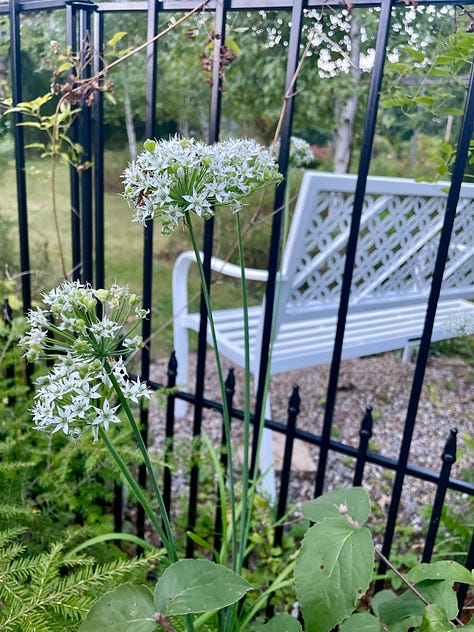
(407, 583)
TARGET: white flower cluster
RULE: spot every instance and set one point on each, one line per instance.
(301, 154)
(76, 397)
(173, 177)
(84, 330)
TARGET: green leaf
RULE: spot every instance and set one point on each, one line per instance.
(232, 44)
(445, 569)
(424, 99)
(283, 622)
(435, 620)
(330, 505)
(67, 65)
(406, 611)
(190, 586)
(127, 608)
(361, 622)
(453, 111)
(414, 52)
(115, 39)
(332, 571)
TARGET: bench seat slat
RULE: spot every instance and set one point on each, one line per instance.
(309, 342)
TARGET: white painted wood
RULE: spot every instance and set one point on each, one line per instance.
(398, 242)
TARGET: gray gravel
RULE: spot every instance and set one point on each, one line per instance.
(447, 401)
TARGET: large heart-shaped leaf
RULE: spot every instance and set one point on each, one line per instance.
(361, 622)
(435, 620)
(406, 611)
(282, 622)
(190, 586)
(353, 502)
(444, 569)
(332, 571)
(127, 608)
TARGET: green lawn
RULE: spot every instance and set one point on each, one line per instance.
(123, 241)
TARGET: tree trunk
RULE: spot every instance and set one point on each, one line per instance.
(129, 126)
(345, 112)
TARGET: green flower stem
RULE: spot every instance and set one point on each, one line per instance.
(168, 540)
(225, 409)
(137, 490)
(247, 499)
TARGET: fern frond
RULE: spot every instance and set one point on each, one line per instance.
(9, 535)
(47, 592)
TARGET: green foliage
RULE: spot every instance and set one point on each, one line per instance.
(123, 609)
(51, 592)
(334, 567)
(191, 586)
(48, 483)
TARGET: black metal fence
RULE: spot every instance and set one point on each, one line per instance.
(85, 22)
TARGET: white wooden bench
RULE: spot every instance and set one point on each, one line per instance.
(398, 242)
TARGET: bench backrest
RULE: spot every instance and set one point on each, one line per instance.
(398, 242)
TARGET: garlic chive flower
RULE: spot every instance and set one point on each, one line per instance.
(172, 177)
(301, 154)
(87, 331)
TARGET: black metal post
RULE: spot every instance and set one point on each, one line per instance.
(98, 152)
(169, 431)
(297, 16)
(85, 119)
(147, 292)
(449, 458)
(214, 126)
(229, 393)
(369, 132)
(365, 433)
(423, 351)
(469, 564)
(293, 411)
(16, 72)
(71, 40)
(7, 317)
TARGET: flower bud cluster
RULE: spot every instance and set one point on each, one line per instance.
(175, 176)
(84, 329)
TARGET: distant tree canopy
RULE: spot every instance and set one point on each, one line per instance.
(423, 88)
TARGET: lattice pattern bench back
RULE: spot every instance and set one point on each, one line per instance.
(397, 247)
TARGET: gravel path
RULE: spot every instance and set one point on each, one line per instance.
(447, 401)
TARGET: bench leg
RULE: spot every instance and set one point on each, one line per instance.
(266, 457)
(408, 354)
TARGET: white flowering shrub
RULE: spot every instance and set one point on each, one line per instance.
(87, 332)
(173, 177)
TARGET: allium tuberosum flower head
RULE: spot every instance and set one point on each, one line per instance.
(173, 177)
(87, 331)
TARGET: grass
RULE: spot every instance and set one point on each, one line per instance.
(123, 242)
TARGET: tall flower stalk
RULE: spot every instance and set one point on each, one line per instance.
(173, 180)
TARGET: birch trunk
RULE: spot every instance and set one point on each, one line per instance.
(345, 112)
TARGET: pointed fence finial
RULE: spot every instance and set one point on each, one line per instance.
(366, 424)
(294, 401)
(230, 383)
(172, 365)
(449, 453)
